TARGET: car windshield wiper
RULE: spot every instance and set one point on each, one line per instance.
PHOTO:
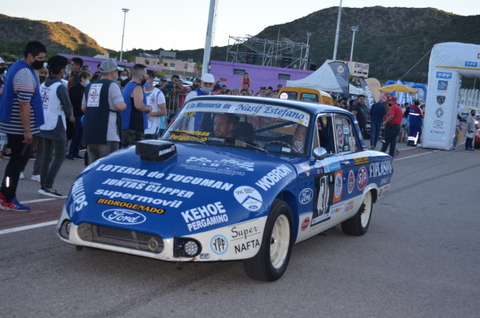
(195, 137)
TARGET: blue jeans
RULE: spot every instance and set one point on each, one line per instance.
(375, 129)
(53, 156)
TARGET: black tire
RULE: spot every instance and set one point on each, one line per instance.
(272, 259)
(358, 224)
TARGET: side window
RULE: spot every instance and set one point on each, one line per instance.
(326, 133)
(344, 134)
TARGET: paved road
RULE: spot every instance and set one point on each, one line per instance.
(419, 259)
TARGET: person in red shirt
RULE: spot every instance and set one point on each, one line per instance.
(392, 124)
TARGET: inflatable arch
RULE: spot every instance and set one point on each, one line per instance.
(449, 62)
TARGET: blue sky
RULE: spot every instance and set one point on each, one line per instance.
(181, 25)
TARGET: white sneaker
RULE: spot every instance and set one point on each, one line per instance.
(36, 177)
(22, 176)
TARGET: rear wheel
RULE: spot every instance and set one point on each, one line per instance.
(272, 259)
(358, 224)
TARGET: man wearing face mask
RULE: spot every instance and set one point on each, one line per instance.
(206, 86)
(21, 115)
(134, 118)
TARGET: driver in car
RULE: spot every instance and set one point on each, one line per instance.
(298, 139)
(223, 125)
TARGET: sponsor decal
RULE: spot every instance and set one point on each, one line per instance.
(324, 187)
(248, 197)
(333, 164)
(189, 134)
(224, 166)
(437, 132)
(123, 216)
(340, 136)
(126, 183)
(361, 160)
(349, 206)
(165, 151)
(337, 208)
(438, 123)
(158, 188)
(78, 195)
(305, 196)
(209, 183)
(351, 181)
(440, 99)
(122, 169)
(380, 169)
(384, 180)
(244, 233)
(219, 244)
(129, 205)
(442, 85)
(243, 247)
(205, 216)
(471, 64)
(439, 112)
(362, 178)
(110, 194)
(306, 168)
(338, 187)
(383, 190)
(205, 256)
(281, 112)
(305, 224)
(274, 176)
(445, 75)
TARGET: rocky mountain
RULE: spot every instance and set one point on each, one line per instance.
(395, 41)
(58, 37)
(391, 40)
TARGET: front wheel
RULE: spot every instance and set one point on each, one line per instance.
(272, 259)
(358, 224)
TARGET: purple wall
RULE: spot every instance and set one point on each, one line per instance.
(260, 75)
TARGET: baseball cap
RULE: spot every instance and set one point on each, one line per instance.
(208, 78)
(163, 79)
(391, 98)
(108, 66)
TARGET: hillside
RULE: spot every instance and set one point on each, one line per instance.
(391, 40)
(58, 37)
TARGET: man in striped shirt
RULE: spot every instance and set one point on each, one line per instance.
(21, 115)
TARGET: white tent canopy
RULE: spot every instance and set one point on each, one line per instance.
(323, 79)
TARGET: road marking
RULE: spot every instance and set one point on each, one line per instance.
(417, 155)
(27, 227)
(39, 200)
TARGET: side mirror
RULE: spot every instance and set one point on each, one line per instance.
(320, 153)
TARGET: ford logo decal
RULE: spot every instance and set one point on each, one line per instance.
(305, 196)
(121, 216)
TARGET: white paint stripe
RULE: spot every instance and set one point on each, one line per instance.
(418, 155)
(38, 200)
(27, 227)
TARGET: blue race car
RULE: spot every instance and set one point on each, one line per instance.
(233, 178)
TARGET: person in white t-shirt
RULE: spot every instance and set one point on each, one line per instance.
(158, 115)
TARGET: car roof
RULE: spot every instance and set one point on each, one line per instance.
(309, 107)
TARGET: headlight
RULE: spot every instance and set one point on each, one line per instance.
(186, 247)
(65, 229)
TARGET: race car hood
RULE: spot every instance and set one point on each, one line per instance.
(194, 189)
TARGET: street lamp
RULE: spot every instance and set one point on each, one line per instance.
(308, 51)
(337, 32)
(354, 29)
(123, 32)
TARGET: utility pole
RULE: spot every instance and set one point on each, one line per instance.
(337, 33)
(208, 38)
(125, 10)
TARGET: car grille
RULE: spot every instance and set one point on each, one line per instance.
(122, 238)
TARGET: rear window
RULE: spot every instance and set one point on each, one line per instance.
(309, 97)
(289, 95)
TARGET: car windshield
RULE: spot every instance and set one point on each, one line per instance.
(256, 126)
